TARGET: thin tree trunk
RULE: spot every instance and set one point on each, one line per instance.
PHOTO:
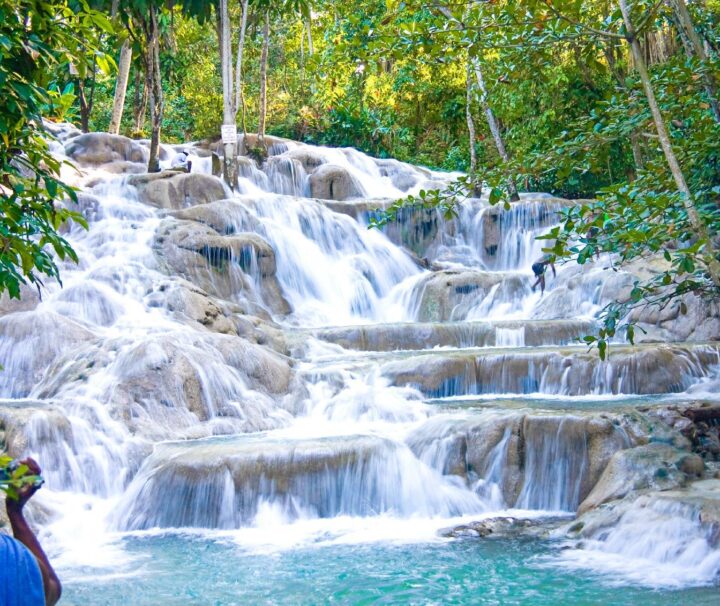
(619, 76)
(311, 49)
(239, 95)
(156, 93)
(476, 188)
(263, 78)
(84, 113)
(695, 47)
(637, 151)
(229, 162)
(308, 29)
(241, 49)
(696, 222)
(86, 101)
(121, 87)
(494, 128)
(140, 102)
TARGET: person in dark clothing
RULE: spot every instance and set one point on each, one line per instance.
(539, 268)
(26, 575)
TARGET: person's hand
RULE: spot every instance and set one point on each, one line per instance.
(27, 491)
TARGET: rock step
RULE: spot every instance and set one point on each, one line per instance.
(532, 459)
(225, 482)
(559, 403)
(419, 336)
(646, 369)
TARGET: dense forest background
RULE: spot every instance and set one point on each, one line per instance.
(390, 79)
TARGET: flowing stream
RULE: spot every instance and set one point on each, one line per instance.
(255, 399)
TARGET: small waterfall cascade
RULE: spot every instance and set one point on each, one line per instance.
(261, 361)
(655, 541)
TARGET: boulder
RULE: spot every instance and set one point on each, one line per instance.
(451, 294)
(239, 267)
(502, 526)
(175, 190)
(62, 131)
(535, 459)
(435, 376)
(308, 158)
(576, 288)
(691, 319)
(655, 466)
(15, 415)
(90, 302)
(30, 343)
(103, 148)
(417, 229)
(403, 176)
(193, 305)
(29, 300)
(181, 384)
(674, 529)
(224, 216)
(333, 182)
(123, 167)
(250, 141)
(187, 301)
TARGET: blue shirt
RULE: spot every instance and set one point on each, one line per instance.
(20, 579)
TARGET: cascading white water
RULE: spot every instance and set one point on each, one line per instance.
(331, 269)
(656, 542)
(158, 391)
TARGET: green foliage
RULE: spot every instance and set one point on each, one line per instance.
(14, 477)
(38, 40)
(573, 111)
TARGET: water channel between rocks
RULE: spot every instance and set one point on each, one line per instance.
(252, 398)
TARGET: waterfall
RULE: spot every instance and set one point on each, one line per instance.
(555, 463)
(262, 362)
(655, 542)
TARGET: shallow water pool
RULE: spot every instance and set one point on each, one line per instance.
(195, 569)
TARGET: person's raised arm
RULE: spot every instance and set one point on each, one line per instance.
(23, 533)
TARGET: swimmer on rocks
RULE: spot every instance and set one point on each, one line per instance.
(181, 161)
(539, 268)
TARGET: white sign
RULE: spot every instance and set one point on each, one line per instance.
(229, 133)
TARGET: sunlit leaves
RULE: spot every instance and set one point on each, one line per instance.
(14, 476)
(33, 51)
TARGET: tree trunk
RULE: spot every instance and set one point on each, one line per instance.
(476, 187)
(637, 151)
(154, 83)
(86, 101)
(695, 47)
(696, 222)
(619, 75)
(229, 147)
(239, 95)
(263, 78)
(139, 103)
(84, 111)
(494, 128)
(121, 87)
(308, 29)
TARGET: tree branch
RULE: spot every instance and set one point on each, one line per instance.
(597, 32)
